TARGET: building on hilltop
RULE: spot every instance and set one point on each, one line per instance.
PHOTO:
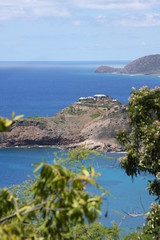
(99, 96)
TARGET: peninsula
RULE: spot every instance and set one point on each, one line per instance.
(148, 65)
(91, 121)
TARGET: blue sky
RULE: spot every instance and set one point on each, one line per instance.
(67, 30)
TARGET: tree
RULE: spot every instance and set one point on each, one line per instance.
(59, 201)
(142, 145)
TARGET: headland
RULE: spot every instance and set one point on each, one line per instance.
(91, 121)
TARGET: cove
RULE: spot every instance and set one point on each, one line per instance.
(16, 164)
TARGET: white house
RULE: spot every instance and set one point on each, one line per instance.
(91, 98)
(99, 96)
(82, 98)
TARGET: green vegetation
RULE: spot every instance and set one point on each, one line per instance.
(96, 231)
(63, 118)
(142, 145)
(5, 123)
(104, 106)
(95, 115)
(71, 110)
(75, 111)
(56, 120)
(91, 105)
(37, 117)
(57, 205)
(57, 202)
(59, 120)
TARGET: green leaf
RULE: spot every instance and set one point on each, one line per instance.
(18, 117)
(38, 167)
(12, 115)
(7, 122)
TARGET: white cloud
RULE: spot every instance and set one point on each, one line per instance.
(130, 20)
(117, 12)
(116, 4)
(101, 19)
(77, 22)
(31, 8)
(148, 20)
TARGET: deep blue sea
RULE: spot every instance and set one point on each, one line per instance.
(44, 88)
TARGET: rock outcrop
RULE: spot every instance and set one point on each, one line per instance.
(91, 122)
(149, 65)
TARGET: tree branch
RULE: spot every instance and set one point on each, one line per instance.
(135, 214)
(21, 213)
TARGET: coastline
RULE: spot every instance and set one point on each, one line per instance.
(91, 122)
(54, 147)
(61, 148)
(129, 74)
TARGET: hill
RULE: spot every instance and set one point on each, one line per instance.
(149, 65)
(92, 122)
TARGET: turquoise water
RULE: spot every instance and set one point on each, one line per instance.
(17, 163)
(44, 88)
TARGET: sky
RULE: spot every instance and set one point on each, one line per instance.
(73, 30)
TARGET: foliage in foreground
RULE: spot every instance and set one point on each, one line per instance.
(53, 205)
(5, 123)
(59, 204)
(142, 146)
(60, 201)
(96, 231)
(142, 143)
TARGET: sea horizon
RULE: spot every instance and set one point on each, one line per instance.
(45, 88)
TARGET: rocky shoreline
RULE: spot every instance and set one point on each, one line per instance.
(91, 122)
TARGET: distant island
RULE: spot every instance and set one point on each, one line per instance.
(148, 65)
(91, 121)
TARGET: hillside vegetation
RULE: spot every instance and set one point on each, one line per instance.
(88, 122)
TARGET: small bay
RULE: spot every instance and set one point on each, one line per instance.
(44, 88)
(16, 165)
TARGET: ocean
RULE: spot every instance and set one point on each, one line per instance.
(43, 89)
